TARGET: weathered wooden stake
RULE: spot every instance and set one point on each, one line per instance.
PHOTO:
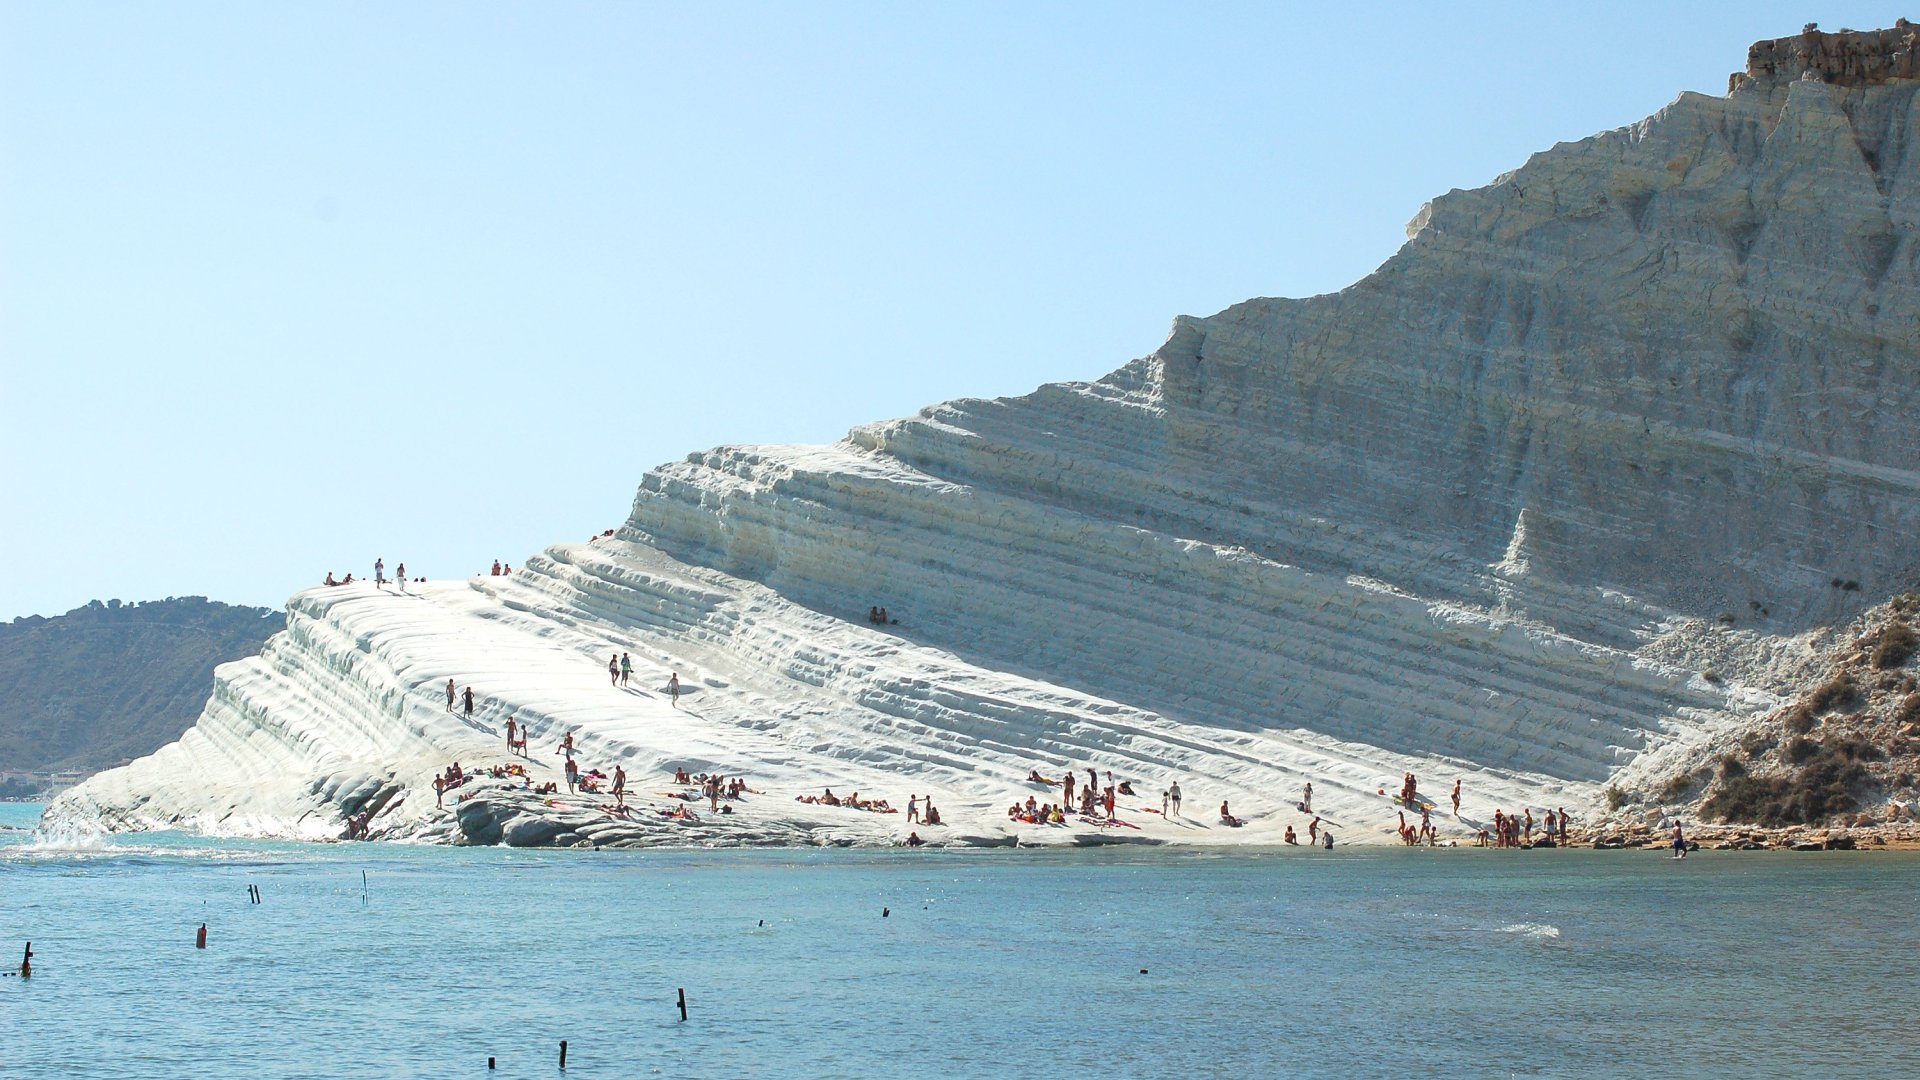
(563, 1053)
(200, 939)
(489, 1063)
(26, 963)
(683, 1004)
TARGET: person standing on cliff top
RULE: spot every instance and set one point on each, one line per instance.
(400, 576)
(450, 693)
(379, 573)
(626, 670)
(673, 688)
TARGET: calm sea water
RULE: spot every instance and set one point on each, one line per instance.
(991, 964)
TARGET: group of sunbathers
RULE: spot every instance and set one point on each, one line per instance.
(1513, 830)
(1425, 834)
(330, 580)
(1095, 803)
(357, 825)
(713, 788)
(879, 617)
(1034, 812)
(852, 802)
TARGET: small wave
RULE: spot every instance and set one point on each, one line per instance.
(77, 840)
(55, 835)
(1535, 930)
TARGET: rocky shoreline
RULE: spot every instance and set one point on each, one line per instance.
(1903, 836)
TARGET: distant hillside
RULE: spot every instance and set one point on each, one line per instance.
(111, 681)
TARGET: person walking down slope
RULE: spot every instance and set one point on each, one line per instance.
(613, 670)
(450, 695)
(626, 670)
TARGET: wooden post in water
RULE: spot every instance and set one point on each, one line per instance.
(489, 1063)
(683, 1004)
(26, 963)
(563, 1053)
(200, 939)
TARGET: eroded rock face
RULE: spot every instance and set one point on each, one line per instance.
(1566, 486)
(1846, 58)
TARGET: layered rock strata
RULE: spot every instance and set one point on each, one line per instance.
(1572, 484)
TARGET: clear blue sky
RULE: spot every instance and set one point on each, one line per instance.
(283, 288)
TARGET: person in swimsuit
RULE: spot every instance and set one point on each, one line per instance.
(450, 693)
(673, 688)
(1679, 841)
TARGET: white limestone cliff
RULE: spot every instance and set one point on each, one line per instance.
(1577, 479)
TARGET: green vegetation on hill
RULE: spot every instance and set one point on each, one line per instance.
(112, 681)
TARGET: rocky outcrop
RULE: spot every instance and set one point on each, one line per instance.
(1848, 58)
(1573, 485)
(1845, 750)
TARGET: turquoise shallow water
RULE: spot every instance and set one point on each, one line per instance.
(992, 964)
